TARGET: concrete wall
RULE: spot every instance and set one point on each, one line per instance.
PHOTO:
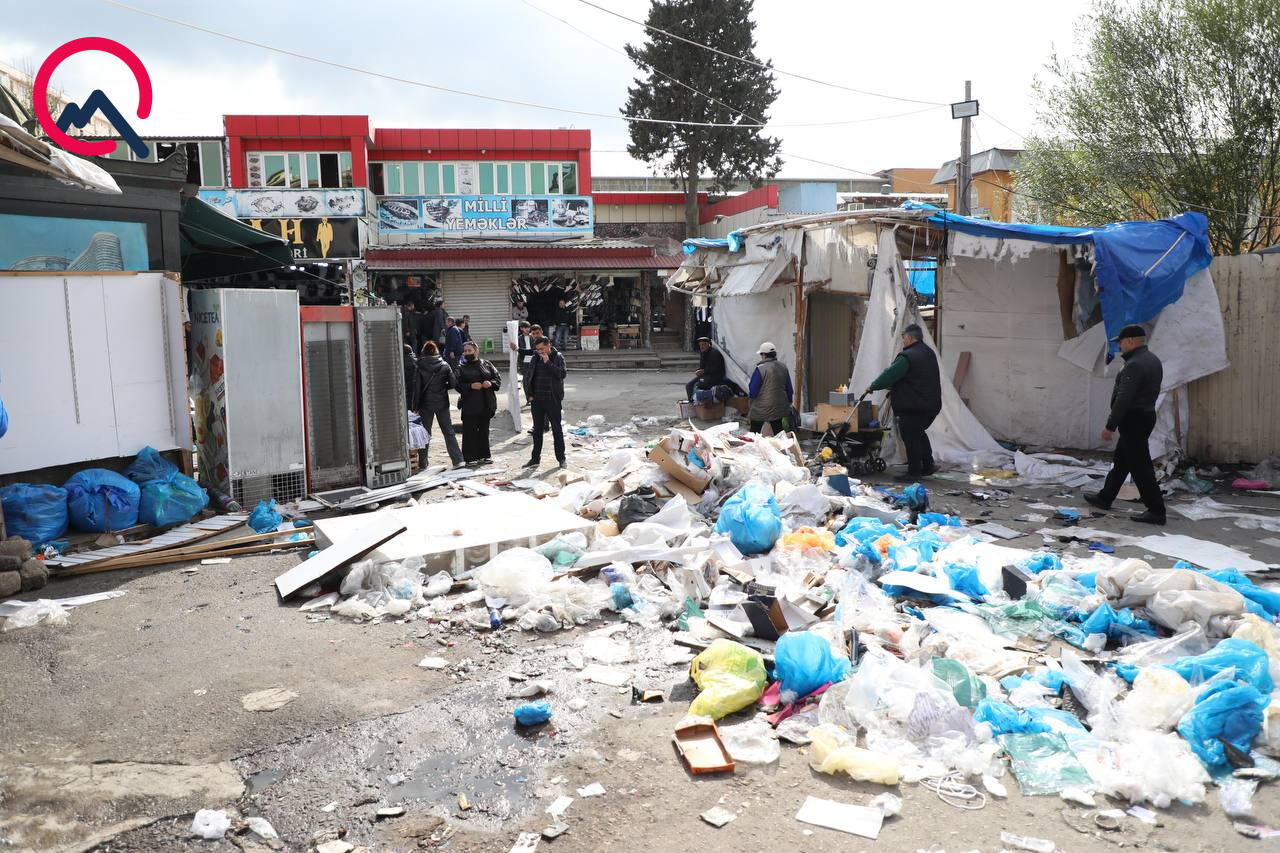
(1235, 414)
(721, 229)
(613, 213)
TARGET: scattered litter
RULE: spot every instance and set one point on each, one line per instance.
(330, 808)
(271, 699)
(606, 675)
(1026, 842)
(526, 842)
(210, 824)
(954, 791)
(430, 662)
(463, 803)
(261, 827)
(215, 561)
(1078, 795)
(532, 713)
(389, 811)
(595, 789)
(889, 804)
(994, 786)
(855, 820)
(557, 809)
(718, 816)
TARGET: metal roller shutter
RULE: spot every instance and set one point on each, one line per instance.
(485, 295)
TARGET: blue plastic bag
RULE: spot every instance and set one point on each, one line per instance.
(912, 497)
(621, 595)
(99, 500)
(171, 500)
(149, 465)
(1005, 719)
(4, 424)
(1040, 561)
(804, 662)
(965, 579)
(1250, 663)
(1118, 625)
(1265, 602)
(264, 517)
(927, 518)
(532, 713)
(36, 513)
(752, 519)
(1227, 711)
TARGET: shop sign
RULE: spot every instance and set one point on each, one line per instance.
(486, 214)
(322, 239)
(243, 204)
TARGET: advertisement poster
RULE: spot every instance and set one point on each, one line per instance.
(245, 204)
(487, 214)
(57, 244)
(322, 239)
(208, 389)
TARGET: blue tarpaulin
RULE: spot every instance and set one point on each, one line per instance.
(922, 275)
(733, 243)
(1140, 269)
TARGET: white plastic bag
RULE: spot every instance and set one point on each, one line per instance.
(516, 576)
(43, 610)
(752, 742)
(210, 824)
(439, 584)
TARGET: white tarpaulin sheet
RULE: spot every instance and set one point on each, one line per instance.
(956, 435)
(742, 323)
(764, 258)
(1026, 384)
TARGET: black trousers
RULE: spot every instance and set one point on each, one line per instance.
(779, 426)
(444, 417)
(695, 384)
(1133, 459)
(911, 429)
(475, 438)
(547, 413)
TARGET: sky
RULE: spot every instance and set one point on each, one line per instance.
(523, 50)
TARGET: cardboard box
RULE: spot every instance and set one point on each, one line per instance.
(709, 411)
(695, 478)
(740, 404)
(829, 414)
(841, 398)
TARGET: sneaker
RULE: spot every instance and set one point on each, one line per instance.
(532, 463)
(1148, 517)
(1095, 499)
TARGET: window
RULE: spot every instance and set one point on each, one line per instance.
(537, 178)
(430, 178)
(553, 179)
(569, 178)
(519, 178)
(299, 169)
(486, 178)
(391, 175)
(448, 184)
(412, 178)
(502, 182)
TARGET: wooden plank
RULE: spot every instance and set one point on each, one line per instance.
(165, 559)
(962, 369)
(204, 546)
(187, 533)
(377, 530)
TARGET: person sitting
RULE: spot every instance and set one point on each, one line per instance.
(711, 369)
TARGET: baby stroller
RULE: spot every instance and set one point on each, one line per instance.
(858, 450)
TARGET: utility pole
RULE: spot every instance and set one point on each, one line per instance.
(962, 168)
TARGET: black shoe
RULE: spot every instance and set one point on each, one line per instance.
(1148, 517)
(1095, 499)
(905, 478)
(561, 464)
(532, 463)
(933, 469)
(531, 431)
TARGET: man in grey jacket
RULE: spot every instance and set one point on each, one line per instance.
(770, 392)
(1133, 414)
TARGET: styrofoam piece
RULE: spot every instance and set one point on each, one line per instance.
(457, 535)
(855, 820)
(367, 532)
(1210, 555)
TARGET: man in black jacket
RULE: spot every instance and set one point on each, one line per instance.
(1133, 414)
(434, 381)
(544, 388)
(711, 370)
(915, 392)
(436, 318)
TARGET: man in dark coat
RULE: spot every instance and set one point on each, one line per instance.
(544, 387)
(1133, 415)
(452, 342)
(915, 392)
(711, 370)
(410, 374)
(436, 319)
(434, 381)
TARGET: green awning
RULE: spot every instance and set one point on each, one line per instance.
(214, 245)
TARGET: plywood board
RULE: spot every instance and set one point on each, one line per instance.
(367, 533)
(457, 535)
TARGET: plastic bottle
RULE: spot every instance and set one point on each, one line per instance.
(495, 618)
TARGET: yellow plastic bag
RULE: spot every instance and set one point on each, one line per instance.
(832, 750)
(730, 676)
(808, 537)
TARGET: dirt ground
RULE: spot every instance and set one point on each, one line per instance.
(117, 727)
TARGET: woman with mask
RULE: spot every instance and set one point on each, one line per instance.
(477, 383)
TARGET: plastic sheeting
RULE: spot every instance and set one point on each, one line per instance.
(767, 256)
(956, 434)
(742, 323)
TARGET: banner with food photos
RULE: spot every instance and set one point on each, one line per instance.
(464, 215)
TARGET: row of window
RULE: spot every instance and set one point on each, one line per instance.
(428, 177)
(300, 169)
(204, 159)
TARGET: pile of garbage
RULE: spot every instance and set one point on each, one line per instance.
(899, 645)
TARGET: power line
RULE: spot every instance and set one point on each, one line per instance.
(397, 79)
(758, 63)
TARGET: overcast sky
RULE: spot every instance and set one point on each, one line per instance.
(509, 48)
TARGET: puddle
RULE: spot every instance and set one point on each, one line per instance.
(262, 779)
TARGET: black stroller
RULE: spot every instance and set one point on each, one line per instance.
(856, 449)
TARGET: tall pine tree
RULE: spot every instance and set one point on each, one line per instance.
(742, 93)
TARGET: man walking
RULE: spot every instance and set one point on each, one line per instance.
(770, 392)
(435, 323)
(434, 381)
(1133, 415)
(915, 392)
(452, 342)
(544, 388)
(464, 326)
(711, 370)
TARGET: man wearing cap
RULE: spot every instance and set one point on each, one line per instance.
(915, 392)
(770, 392)
(1133, 415)
(710, 372)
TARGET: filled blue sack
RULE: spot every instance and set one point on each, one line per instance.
(1250, 663)
(1228, 711)
(36, 513)
(99, 500)
(264, 517)
(171, 500)
(752, 519)
(804, 662)
(532, 713)
(149, 465)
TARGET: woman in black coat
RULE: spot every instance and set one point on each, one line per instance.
(477, 383)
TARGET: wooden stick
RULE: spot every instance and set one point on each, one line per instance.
(164, 559)
(208, 534)
(188, 548)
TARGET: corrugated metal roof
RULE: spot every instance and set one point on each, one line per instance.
(991, 160)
